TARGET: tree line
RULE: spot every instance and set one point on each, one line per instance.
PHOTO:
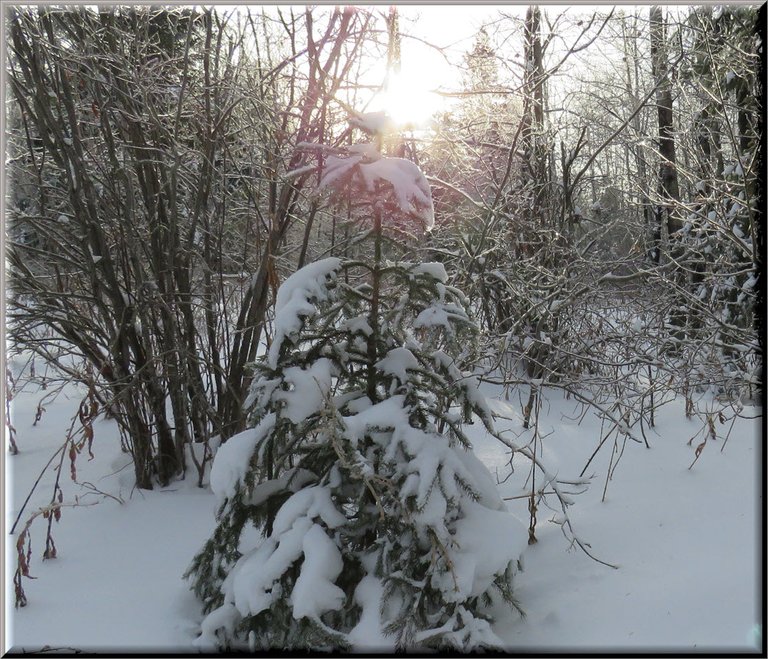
(604, 221)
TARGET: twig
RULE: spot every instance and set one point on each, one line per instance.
(564, 501)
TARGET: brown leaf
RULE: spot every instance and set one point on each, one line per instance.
(72, 458)
(50, 549)
(88, 432)
(38, 414)
(22, 557)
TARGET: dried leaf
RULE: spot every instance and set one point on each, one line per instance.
(38, 414)
(21, 555)
(21, 598)
(50, 549)
(88, 431)
(698, 451)
(72, 458)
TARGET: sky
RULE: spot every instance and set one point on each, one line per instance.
(435, 39)
(450, 27)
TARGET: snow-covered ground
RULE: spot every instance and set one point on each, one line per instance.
(686, 542)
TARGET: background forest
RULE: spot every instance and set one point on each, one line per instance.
(586, 190)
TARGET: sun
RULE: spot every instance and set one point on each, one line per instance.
(407, 99)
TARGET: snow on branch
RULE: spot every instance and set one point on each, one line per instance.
(373, 123)
(295, 301)
(409, 185)
(402, 179)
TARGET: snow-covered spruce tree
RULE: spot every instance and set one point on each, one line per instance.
(353, 513)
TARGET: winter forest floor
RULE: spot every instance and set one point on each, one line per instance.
(686, 542)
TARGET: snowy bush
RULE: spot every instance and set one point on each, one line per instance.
(346, 521)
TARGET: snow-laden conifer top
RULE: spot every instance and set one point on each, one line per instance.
(402, 179)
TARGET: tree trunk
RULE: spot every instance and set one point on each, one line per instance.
(669, 190)
(667, 218)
